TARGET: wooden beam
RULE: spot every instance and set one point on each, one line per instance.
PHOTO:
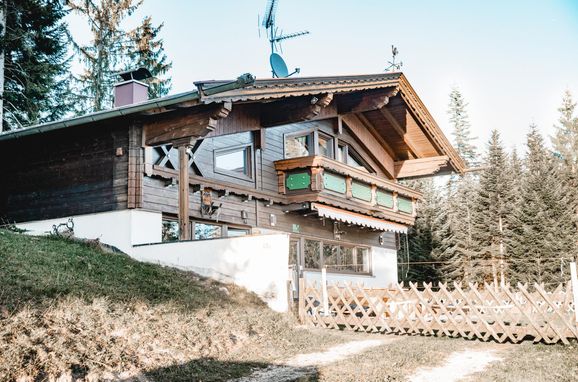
(372, 142)
(367, 100)
(294, 110)
(184, 226)
(195, 122)
(420, 167)
(401, 131)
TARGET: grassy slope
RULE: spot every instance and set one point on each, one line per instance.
(68, 308)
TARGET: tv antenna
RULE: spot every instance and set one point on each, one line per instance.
(276, 37)
(394, 66)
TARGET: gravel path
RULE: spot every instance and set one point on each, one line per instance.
(457, 366)
(304, 365)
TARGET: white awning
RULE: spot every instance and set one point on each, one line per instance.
(357, 219)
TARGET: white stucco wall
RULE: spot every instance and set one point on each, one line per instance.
(257, 262)
(384, 267)
(121, 229)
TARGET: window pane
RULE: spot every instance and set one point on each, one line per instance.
(342, 153)
(312, 255)
(362, 260)
(207, 231)
(293, 252)
(234, 232)
(236, 161)
(297, 146)
(354, 161)
(170, 230)
(330, 256)
(346, 259)
(325, 146)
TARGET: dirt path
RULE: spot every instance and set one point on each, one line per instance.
(304, 365)
(457, 366)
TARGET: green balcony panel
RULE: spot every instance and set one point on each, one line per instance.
(385, 199)
(334, 182)
(298, 181)
(361, 191)
(404, 205)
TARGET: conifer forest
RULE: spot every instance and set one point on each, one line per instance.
(510, 218)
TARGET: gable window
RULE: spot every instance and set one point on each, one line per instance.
(298, 145)
(346, 154)
(325, 145)
(337, 257)
(235, 161)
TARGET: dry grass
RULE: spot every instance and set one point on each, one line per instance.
(69, 309)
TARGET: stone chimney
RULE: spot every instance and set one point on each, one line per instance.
(131, 89)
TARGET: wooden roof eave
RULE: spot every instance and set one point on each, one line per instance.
(429, 125)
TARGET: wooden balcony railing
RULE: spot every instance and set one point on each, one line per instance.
(316, 178)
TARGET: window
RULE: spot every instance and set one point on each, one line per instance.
(170, 230)
(312, 254)
(235, 232)
(325, 145)
(336, 257)
(206, 231)
(235, 162)
(346, 154)
(298, 145)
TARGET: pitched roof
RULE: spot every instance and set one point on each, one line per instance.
(271, 89)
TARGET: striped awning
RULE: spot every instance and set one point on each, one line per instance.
(357, 219)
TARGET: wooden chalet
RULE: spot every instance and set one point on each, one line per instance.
(316, 159)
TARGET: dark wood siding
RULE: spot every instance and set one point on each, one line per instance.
(65, 172)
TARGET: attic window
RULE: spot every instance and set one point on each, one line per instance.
(298, 145)
(235, 161)
(346, 154)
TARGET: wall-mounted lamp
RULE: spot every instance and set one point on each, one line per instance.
(244, 216)
(171, 183)
(272, 220)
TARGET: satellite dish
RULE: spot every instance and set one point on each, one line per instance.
(278, 66)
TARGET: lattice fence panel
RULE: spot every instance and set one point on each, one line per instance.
(486, 312)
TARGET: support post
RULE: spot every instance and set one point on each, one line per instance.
(574, 279)
(302, 299)
(184, 229)
(324, 291)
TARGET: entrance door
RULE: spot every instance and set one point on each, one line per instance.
(294, 263)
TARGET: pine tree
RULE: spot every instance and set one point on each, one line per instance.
(457, 249)
(423, 242)
(148, 52)
(461, 127)
(565, 140)
(107, 52)
(492, 217)
(34, 61)
(544, 229)
(113, 49)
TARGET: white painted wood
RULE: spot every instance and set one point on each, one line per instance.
(324, 291)
(574, 279)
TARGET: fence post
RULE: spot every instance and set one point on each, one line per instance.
(324, 291)
(574, 279)
(301, 308)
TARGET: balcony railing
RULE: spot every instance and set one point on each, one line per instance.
(316, 178)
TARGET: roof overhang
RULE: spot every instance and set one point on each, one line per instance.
(348, 217)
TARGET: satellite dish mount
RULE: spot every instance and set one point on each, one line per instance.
(278, 66)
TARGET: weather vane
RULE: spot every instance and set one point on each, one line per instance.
(394, 66)
(278, 66)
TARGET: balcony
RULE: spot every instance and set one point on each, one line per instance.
(320, 179)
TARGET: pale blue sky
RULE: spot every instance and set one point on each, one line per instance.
(511, 59)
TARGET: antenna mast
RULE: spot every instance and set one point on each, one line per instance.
(275, 36)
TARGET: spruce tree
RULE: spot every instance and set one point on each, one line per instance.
(148, 52)
(114, 49)
(544, 230)
(492, 218)
(34, 62)
(423, 241)
(459, 120)
(565, 139)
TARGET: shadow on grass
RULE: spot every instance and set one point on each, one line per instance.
(210, 369)
(37, 269)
